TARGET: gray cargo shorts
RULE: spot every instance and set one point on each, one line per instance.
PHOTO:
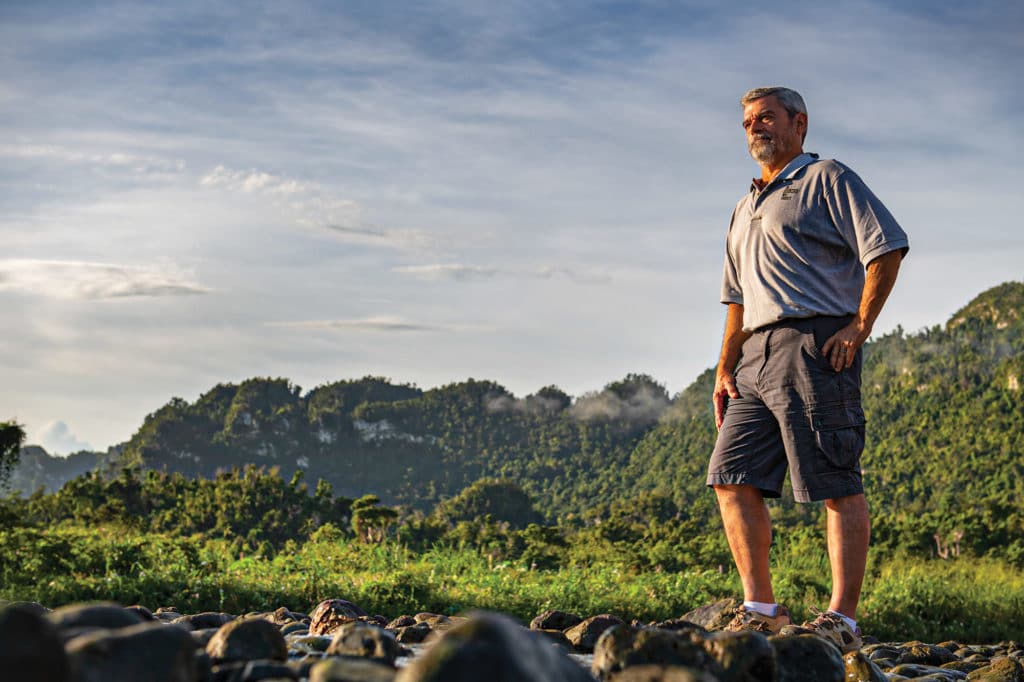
(794, 410)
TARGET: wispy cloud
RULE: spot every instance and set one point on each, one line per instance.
(85, 280)
(138, 163)
(448, 271)
(256, 181)
(381, 323)
(461, 272)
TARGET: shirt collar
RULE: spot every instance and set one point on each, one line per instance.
(791, 169)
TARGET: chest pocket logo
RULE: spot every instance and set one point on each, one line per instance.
(789, 193)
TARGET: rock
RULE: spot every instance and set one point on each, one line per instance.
(925, 654)
(584, 635)
(555, 620)
(806, 658)
(713, 616)
(204, 620)
(915, 670)
(33, 606)
(678, 624)
(142, 612)
(203, 637)
(554, 636)
(411, 634)
(309, 644)
(492, 647)
(94, 615)
(30, 644)
(401, 622)
(331, 613)
(859, 668)
(350, 670)
(963, 666)
(1003, 669)
(622, 646)
(366, 641)
(247, 639)
(150, 651)
(294, 629)
(742, 656)
(283, 616)
(253, 671)
(436, 621)
(662, 673)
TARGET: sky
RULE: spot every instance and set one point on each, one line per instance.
(530, 192)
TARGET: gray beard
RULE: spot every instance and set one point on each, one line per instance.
(764, 151)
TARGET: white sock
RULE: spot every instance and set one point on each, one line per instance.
(849, 621)
(765, 609)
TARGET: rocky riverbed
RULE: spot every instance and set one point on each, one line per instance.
(339, 642)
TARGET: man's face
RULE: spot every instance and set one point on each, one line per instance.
(772, 134)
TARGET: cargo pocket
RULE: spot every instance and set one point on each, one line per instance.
(839, 432)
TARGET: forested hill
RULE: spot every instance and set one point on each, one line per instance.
(945, 435)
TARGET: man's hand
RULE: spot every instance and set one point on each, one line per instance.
(841, 347)
(725, 388)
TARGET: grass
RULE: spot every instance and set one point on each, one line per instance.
(970, 600)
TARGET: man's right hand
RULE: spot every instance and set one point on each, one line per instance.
(725, 388)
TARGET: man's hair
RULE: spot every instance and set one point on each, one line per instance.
(790, 100)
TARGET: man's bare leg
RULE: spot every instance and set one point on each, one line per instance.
(849, 531)
(749, 531)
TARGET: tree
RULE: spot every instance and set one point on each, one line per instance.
(11, 438)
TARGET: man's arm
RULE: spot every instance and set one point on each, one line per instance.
(878, 282)
(732, 344)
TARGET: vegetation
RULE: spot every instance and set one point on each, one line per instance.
(466, 495)
(11, 438)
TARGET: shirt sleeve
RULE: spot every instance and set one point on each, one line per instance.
(862, 219)
(732, 290)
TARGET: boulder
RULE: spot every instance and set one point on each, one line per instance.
(623, 646)
(401, 622)
(331, 613)
(1002, 669)
(713, 616)
(204, 620)
(350, 670)
(247, 639)
(925, 654)
(30, 645)
(741, 656)
(411, 634)
(253, 671)
(585, 635)
(365, 641)
(142, 612)
(807, 658)
(94, 615)
(859, 668)
(662, 673)
(492, 647)
(555, 620)
(150, 651)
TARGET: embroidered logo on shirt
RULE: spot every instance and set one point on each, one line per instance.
(789, 192)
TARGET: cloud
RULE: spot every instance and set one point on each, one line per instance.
(646, 405)
(461, 272)
(381, 323)
(451, 271)
(90, 281)
(57, 439)
(256, 181)
(138, 163)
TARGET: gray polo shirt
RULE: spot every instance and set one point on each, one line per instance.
(798, 248)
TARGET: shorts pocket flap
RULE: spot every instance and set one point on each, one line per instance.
(837, 417)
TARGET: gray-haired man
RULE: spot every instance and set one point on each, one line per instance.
(811, 257)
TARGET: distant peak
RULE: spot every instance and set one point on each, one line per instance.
(1001, 305)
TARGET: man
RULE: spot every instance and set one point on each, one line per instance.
(811, 256)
